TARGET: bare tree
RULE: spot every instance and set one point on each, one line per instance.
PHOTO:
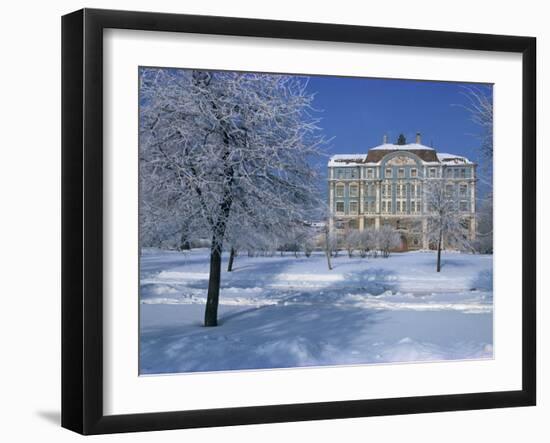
(366, 241)
(329, 243)
(480, 108)
(350, 241)
(387, 238)
(484, 226)
(254, 235)
(233, 146)
(160, 220)
(445, 221)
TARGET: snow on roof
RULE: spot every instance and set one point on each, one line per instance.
(348, 157)
(407, 147)
(345, 159)
(427, 154)
(452, 158)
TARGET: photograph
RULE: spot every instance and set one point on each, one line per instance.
(244, 222)
(299, 220)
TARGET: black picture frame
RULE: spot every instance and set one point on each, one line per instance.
(82, 215)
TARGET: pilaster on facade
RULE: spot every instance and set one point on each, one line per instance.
(473, 228)
(377, 202)
(387, 186)
(425, 242)
(473, 197)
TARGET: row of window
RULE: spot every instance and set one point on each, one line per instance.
(352, 173)
(401, 206)
(401, 190)
(400, 173)
(462, 190)
(346, 173)
(455, 172)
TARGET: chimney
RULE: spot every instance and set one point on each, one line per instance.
(385, 139)
(418, 140)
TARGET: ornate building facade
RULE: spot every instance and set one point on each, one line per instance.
(386, 187)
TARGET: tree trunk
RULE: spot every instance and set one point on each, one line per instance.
(328, 251)
(439, 252)
(213, 295)
(329, 264)
(184, 242)
(212, 299)
(231, 258)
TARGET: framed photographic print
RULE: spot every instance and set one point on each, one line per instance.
(270, 221)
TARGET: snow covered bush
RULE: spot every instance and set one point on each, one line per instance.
(350, 241)
(388, 238)
(367, 241)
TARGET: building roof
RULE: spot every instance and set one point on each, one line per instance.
(346, 159)
(452, 158)
(406, 147)
(375, 155)
(427, 155)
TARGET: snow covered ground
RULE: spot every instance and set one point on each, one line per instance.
(278, 312)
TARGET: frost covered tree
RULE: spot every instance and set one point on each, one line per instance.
(329, 243)
(366, 241)
(350, 241)
(232, 146)
(253, 235)
(387, 238)
(484, 226)
(480, 108)
(445, 222)
(297, 238)
(161, 223)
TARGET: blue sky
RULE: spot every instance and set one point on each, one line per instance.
(357, 112)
